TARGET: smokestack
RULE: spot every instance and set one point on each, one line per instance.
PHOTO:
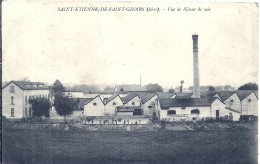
(196, 77)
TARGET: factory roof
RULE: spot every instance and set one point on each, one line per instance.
(256, 93)
(146, 97)
(27, 85)
(130, 88)
(224, 95)
(163, 95)
(129, 97)
(183, 95)
(242, 94)
(193, 102)
(208, 93)
(82, 101)
(107, 100)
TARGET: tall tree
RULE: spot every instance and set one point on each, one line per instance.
(40, 107)
(63, 105)
(249, 86)
(154, 88)
(57, 88)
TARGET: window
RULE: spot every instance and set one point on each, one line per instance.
(26, 100)
(249, 100)
(114, 103)
(183, 107)
(230, 114)
(30, 111)
(195, 111)
(133, 103)
(171, 112)
(12, 112)
(12, 89)
(231, 101)
(94, 103)
(25, 111)
(12, 99)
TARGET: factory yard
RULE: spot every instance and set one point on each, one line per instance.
(209, 146)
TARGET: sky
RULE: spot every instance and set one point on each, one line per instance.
(107, 48)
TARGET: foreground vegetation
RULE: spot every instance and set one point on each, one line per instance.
(222, 146)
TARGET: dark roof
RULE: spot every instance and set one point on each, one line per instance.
(132, 88)
(163, 95)
(107, 100)
(193, 102)
(146, 97)
(82, 101)
(183, 95)
(242, 94)
(224, 95)
(256, 93)
(26, 85)
(95, 98)
(129, 97)
(140, 93)
(207, 93)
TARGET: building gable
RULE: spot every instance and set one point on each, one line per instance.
(95, 99)
(117, 99)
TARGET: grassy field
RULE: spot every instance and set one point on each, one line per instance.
(28, 146)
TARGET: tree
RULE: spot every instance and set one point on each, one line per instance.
(171, 90)
(109, 89)
(57, 88)
(249, 86)
(154, 88)
(211, 88)
(228, 88)
(40, 107)
(64, 106)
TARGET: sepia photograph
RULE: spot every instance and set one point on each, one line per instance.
(129, 82)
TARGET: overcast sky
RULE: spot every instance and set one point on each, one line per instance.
(116, 47)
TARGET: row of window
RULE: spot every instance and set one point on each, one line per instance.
(26, 100)
(36, 96)
(193, 111)
(30, 112)
(249, 100)
(114, 103)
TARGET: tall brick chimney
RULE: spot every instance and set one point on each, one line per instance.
(196, 76)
